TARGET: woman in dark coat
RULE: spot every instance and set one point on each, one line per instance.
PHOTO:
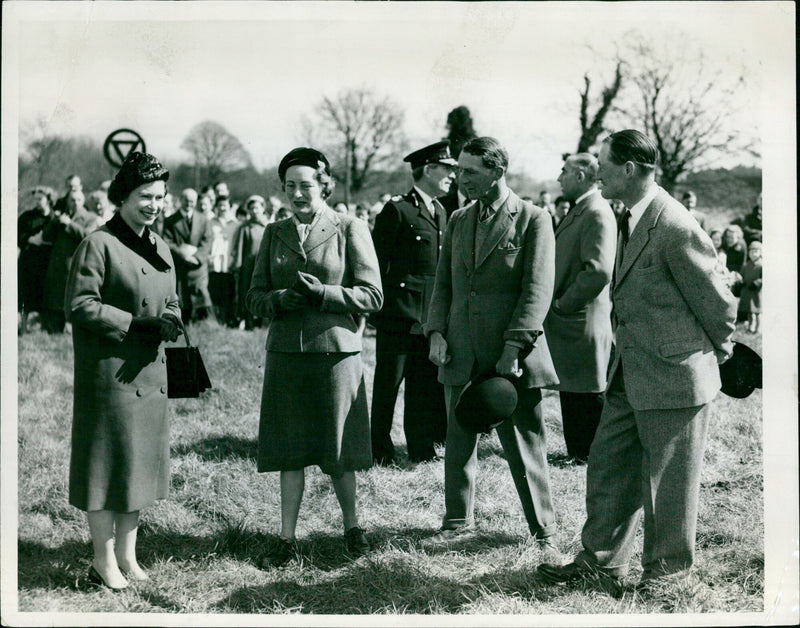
(34, 253)
(315, 274)
(122, 304)
(65, 232)
(245, 250)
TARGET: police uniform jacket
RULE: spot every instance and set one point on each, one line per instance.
(407, 240)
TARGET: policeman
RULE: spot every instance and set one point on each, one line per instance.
(408, 237)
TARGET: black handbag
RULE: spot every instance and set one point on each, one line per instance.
(186, 374)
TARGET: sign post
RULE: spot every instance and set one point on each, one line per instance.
(120, 144)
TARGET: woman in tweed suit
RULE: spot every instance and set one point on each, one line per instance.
(315, 274)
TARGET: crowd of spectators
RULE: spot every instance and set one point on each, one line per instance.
(215, 258)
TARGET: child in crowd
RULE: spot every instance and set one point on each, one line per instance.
(729, 277)
(735, 248)
(750, 300)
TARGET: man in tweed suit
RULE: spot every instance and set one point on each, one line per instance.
(494, 284)
(578, 326)
(674, 320)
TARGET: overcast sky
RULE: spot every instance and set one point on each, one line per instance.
(90, 68)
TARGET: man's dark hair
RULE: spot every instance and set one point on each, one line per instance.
(632, 145)
(489, 150)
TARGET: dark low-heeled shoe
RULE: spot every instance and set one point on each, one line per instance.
(95, 579)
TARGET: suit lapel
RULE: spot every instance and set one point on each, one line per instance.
(286, 232)
(571, 216)
(638, 239)
(323, 230)
(198, 227)
(421, 209)
(468, 250)
(499, 227)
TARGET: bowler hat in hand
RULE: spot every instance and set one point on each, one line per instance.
(486, 401)
(741, 373)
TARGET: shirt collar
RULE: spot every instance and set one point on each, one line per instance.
(586, 194)
(427, 200)
(638, 209)
(496, 204)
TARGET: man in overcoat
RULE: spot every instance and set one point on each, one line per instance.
(578, 326)
(674, 319)
(408, 236)
(188, 238)
(493, 288)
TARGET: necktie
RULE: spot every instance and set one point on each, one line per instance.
(623, 227)
(485, 213)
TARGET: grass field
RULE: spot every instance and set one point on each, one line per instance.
(200, 545)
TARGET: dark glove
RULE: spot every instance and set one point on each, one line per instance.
(289, 301)
(172, 331)
(151, 329)
(309, 286)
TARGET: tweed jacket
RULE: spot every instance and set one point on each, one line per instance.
(578, 326)
(339, 252)
(501, 292)
(674, 316)
(407, 241)
(177, 231)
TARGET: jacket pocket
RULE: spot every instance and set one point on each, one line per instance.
(670, 349)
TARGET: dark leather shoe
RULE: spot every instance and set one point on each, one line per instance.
(356, 542)
(279, 553)
(96, 580)
(571, 572)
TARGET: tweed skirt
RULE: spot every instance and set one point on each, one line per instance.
(314, 412)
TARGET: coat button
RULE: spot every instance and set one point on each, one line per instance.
(419, 238)
(144, 270)
(145, 302)
(163, 390)
(402, 284)
(472, 294)
(139, 392)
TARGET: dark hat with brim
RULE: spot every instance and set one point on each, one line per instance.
(486, 401)
(303, 156)
(137, 169)
(438, 153)
(741, 374)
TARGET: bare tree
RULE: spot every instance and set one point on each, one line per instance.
(215, 150)
(593, 125)
(360, 131)
(685, 104)
(673, 93)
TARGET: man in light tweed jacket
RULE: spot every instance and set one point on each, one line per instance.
(674, 319)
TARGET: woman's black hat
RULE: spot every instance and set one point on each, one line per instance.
(137, 169)
(303, 157)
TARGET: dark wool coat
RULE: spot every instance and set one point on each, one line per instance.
(65, 239)
(120, 444)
